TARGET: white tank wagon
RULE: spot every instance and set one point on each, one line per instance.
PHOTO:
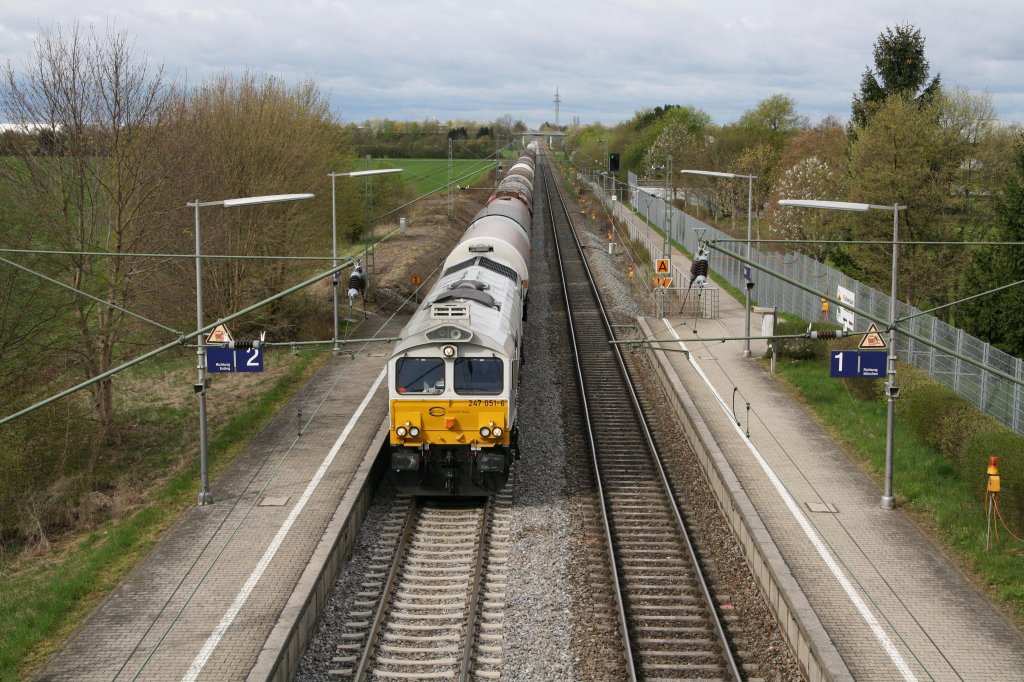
(500, 239)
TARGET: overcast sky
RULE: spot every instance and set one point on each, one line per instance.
(478, 59)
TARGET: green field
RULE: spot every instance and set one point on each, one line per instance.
(431, 175)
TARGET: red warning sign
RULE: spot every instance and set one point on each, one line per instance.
(872, 338)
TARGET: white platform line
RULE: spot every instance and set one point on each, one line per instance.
(808, 528)
(229, 616)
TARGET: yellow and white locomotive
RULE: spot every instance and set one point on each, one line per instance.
(453, 378)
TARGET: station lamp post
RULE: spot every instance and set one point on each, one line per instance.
(205, 496)
(892, 391)
(750, 205)
(334, 232)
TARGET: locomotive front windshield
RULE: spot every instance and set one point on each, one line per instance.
(420, 375)
(479, 376)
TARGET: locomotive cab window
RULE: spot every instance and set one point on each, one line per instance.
(479, 376)
(420, 375)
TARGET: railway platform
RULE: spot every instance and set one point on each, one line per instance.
(230, 589)
(861, 591)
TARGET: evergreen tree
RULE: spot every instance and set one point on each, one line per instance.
(900, 68)
(999, 318)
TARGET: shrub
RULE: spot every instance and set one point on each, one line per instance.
(965, 437)
(643, 256)
(800, 349)
(938, 416)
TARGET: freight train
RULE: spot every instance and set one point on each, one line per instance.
(453, 378)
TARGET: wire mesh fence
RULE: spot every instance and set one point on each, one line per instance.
(990, 393)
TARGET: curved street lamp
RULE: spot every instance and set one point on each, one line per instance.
(205, 496)
(891, 389)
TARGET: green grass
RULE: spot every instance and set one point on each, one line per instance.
(431, 175)
(948, 504)
(46, 597)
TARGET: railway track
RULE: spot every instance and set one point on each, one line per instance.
(431, 605)
(671, 628)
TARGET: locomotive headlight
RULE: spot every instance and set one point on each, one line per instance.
(485, 431)
(448, 351)
(402, 432)
(497, 431)
(414, 431)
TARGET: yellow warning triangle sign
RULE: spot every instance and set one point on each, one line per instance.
(219, 335)
(872, 338)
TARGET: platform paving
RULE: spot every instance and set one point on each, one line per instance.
(204, 602)
(891, 603)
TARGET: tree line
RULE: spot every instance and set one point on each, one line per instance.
(100, 153)
(431, 139)
(909, 140)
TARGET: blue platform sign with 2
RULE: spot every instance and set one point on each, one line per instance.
(249, 360)
(239, 360)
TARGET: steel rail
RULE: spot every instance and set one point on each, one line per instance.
(726, 649)
(616, 578)
(389, 588)
(474, 595)
(392, 583)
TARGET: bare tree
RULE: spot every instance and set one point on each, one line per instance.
(90, 175)
(253, 135)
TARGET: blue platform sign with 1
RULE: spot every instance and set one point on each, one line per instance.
(843, 364)
(865, 364)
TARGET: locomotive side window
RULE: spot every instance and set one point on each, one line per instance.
(479, 376)
(420, 375)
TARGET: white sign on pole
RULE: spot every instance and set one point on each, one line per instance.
(844, 316)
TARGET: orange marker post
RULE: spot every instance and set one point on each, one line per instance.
(991, 503)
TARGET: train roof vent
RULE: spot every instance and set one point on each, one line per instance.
(499, 268)
(449, 312)
(460, 266)
(449, 332)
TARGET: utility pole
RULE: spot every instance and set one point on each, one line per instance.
(450, 173)
(558, 102)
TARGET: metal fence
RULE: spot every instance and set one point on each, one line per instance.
(991, 394)
(704, 306)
